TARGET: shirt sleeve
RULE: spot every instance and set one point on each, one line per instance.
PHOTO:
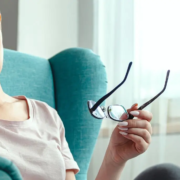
(70, 163)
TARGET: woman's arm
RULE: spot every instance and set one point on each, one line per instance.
(70, 175)
(128, 140)
(109, 170)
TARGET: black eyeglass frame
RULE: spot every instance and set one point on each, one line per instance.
(97, 104)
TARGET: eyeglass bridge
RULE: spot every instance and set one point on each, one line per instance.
(103, 108)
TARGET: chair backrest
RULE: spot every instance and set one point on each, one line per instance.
(28, 75)
(65, 81)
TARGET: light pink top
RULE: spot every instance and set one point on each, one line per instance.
(37, 146)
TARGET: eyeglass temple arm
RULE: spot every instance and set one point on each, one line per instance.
(151, 100)
(107, 95)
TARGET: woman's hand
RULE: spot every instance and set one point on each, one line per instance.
(131, 137)
(128, 140)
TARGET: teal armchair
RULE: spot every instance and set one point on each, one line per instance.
(66, 81)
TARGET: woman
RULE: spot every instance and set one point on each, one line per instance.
(40, 150)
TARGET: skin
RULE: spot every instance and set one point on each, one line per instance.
(121, 148)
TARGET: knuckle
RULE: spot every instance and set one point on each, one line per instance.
(140, 141)
(134, 123)
(147, 115)
(151, 115)
(145, 133)
(130, 122)
(147, 136)
(142, 147)
(146, 125)
(149, 142)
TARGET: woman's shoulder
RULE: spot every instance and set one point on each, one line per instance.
(44, 110)
(41, 104)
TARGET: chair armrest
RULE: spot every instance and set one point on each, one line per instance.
(8, 170)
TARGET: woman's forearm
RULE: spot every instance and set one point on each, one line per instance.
(110, 170)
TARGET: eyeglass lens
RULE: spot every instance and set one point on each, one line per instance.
(117, 112)
(98, 113)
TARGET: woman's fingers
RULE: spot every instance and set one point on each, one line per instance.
(140, 144)
(133, 107)
(142, 114)
(136, 123)
(125, 116)
(145, 134)
(137, 130)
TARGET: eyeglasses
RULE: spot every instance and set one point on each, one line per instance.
(118, 112)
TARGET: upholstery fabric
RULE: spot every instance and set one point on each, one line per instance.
(23, 74)
(79, 75)
(8, 170)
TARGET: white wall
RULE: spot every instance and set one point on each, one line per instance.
(86, 18)
(45, 28)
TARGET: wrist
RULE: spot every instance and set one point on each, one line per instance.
(110, 169)
(111, 159)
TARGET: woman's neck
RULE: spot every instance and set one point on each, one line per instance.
(5, 98)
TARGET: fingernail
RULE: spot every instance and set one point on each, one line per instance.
(134, 105)
(124, 123)
(123, 133)
(122, 128)
(134, 113)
